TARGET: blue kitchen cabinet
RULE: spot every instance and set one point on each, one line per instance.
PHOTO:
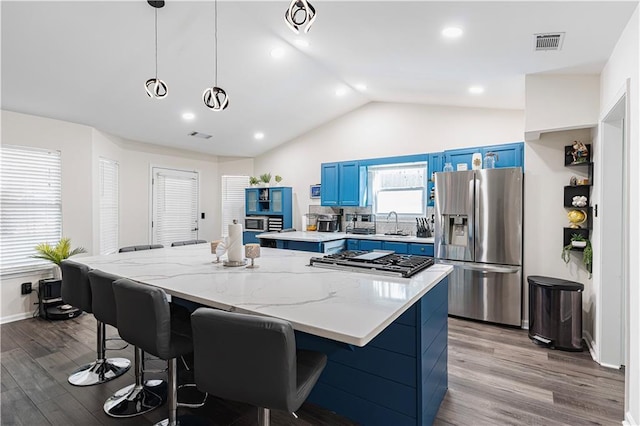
(249, 237)
(353, 244)
(460, 156)
(369, 245)
(421, 249)
(400, 248)
(435, 164)
(251, 201)
(330, 184)
(508, 155)
(349, 179)
(340, 184)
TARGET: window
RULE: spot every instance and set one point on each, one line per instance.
(175, 206)
(232, 200)
(108, 206)
(400, 188)
(31, 197)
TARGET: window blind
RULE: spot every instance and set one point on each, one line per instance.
(401, 188)
(109, 206)
(233, 200)
(31, 213)
(175, 216)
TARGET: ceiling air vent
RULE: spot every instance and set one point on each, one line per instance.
(548, 41)
(200, 135)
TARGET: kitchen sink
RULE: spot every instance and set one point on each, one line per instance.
(396, 235)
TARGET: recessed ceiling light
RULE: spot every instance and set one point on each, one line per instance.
(258, 135)
(341, 91)
(301, 43)
(452, 32)
(476, 90)
(188, 116)
(278, 52)
(361, 87)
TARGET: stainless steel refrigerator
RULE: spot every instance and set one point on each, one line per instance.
(478, 216)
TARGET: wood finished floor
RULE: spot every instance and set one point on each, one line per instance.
(496, 377)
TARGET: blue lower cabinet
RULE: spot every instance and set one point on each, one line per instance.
(353, 244)
(369, 245)
(421, 249)
(249, 237)
(300, 245)
(400, 248)
(399, 378)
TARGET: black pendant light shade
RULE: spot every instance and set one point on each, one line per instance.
(155, 87)
(300, 15)
(215, 98)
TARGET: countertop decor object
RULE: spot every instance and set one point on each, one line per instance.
(476, 161)
(155, 87)
(214, 250)
(234, 250)
(576, 217)
(252, 251)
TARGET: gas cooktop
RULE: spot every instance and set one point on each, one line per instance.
(377, 262)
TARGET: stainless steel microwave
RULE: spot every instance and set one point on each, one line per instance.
(256, 223)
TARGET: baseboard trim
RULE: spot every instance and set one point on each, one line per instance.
(591, 345)
(628, 420)
(16, 317)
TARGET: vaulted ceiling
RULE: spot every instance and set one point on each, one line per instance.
(86, 62)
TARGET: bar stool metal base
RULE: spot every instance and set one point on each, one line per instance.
(99, 371)
(134, 400)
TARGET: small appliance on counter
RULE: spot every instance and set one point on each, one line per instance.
(256, 223)
(329, 223)
(363, 224)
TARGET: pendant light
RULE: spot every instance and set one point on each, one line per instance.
(155, 87)
(215, 98)
(300, 14)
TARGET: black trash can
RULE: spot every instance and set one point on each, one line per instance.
(555, 313)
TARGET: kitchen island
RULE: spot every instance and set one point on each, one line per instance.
(386, 337)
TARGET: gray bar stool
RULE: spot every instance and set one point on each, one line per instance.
(140, 247)
(187, 243)
(252, 359)
(146, 319)
(139, 397)
(76, 291)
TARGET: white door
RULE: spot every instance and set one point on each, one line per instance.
(175, 206)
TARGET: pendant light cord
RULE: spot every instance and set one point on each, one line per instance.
(156, 27)
(215, 37)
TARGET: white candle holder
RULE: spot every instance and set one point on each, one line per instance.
(252, 251)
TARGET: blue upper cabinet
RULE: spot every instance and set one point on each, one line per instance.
(340, 185)
(251, 201)
(276, 201)
(349, 178)
(507, 155)
(329, 184)
(435, 164)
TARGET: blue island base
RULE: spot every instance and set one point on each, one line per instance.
(399, 378)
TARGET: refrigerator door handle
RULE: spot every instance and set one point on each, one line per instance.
(502, 269)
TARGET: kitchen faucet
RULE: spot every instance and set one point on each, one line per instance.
(396, 214)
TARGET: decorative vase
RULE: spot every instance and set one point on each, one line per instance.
(579, 244)
(57, 273)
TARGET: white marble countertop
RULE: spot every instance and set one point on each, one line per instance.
(350, 307)
(321, 237)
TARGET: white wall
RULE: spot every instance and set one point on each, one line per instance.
(560, 102)
(81, 147)
(623, 66)
(545, 216)
(383, 130)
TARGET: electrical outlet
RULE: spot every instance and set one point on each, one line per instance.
(25, 288)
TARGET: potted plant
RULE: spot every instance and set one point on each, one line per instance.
(265, 178)
(253, 181)
(278, 179)
(58, 253)
(579, 241)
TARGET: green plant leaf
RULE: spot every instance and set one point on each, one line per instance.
(57, 254)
